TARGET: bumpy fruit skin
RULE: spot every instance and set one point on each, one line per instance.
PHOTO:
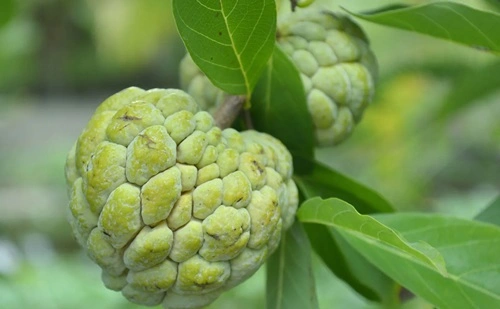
(197, 84)
(304, 3)
(172, 208)
(337, 68)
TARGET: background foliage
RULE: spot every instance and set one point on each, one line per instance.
(429, 143)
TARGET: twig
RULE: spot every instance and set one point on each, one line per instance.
(248, 119)
(227, 112)
(294, 4)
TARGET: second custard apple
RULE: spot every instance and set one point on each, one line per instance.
(197, 84)
(173, 209)
(337, 68)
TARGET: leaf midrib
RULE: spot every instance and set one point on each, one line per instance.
(233, 46)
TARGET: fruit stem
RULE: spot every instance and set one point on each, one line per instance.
(227, 112)
(248, 119)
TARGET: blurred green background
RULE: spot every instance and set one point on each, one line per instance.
(59, 59)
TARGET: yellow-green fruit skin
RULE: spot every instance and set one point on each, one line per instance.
(197, 84)
(174, 210)
(337, 68)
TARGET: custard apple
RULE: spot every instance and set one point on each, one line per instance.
(172, 208)
(337, 68)
(197, 84)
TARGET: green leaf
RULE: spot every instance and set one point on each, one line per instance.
(495, 4)
(351, 267)
(337, 255)
(469, 248)
(364, 231)
(325, 182)
(471, 278)
(7, 9)
(491, 214)
(469, 87)
(230, 40)
(290, 280)
(279, 108)
(446, 20)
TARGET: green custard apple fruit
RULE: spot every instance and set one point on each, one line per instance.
(197, 84)
(337, 68)
(173, 209)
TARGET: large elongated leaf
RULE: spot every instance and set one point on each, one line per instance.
(325, 182)
(470, 250)
(230, 40)
(378, 243)
(338, 256)
(446, 20)
(290, 281)
(351, 267)
(491, 214)
(279, 108)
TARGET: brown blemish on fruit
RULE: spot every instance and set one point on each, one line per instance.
(257, 167)
(150, 142)
(126, 117)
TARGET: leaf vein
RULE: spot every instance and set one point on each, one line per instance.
(253, 30)
(207, 7)
(238, 57)
(488, 241)
(202, 34)
(448, 34)
(469, 22)
(478, 270)
(215, 63)
(232, 9)
(467, 298)
(258, 50)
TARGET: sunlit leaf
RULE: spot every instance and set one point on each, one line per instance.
(351, 267)
(230, 40)
(417, 253)
(337, 255)
(446, 20)
(470, 251)
(420, 263)
(279, 108)
(357, 229)
(290, 281)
